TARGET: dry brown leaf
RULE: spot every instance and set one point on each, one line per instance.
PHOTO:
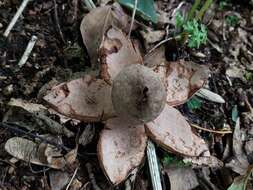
(34, 121)
(116, 52)
(29, 151)
(155, 58)
(151, 36)
(58, 179)
(86, 99)
(71, 156)
(239, 162)
(172, 132)
(30, 107)
(87, 135)
(96, 22)
(121, 148)
(182, 178)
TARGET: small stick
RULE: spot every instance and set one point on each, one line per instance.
(153, 166)
(28, 51)
(56, 18)
(15, 18)
(16, 128)
(132, 20)
(162, 42)
(204, 9)
(75, 4)
(222, 132)
(159, 44)
(73, 177)
(250, 53)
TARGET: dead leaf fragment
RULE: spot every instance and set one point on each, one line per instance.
(35, 121)
(30, 107)
(239, 162)
(86, 99)
(96, 22)
(182, 178)
(116, 52)
(87, 135)
(151, 36)
(240, 182)
(58, 179)
(29, 151)
(121, 148)
(155, 58)
(172, 132)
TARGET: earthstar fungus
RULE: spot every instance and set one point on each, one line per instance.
(134, 101)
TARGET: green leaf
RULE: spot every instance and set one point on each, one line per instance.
(240, 182)
(204, 9)
(145, 8)
(248, 76)
(234, 113)
(170, 160)
(197, 33)
(194, 103)
(179, 20)
(232, 20)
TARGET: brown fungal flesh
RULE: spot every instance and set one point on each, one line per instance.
(138, 94)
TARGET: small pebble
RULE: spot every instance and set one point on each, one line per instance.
(8, 90)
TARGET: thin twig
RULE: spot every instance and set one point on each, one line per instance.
(15, 18)
(248, 105)
(56, 18)
(28, 51)
(177, 8)
(250, 53)
(71, 180)
(132, 20)
(75, 5)
(159, 44)
(193, 9)
(14, 127)
(17, 129)
(222, 132)
(204, 9)
(153, 166)
(92, 177)
(178, 37)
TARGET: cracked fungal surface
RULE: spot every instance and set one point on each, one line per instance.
(138, 94)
